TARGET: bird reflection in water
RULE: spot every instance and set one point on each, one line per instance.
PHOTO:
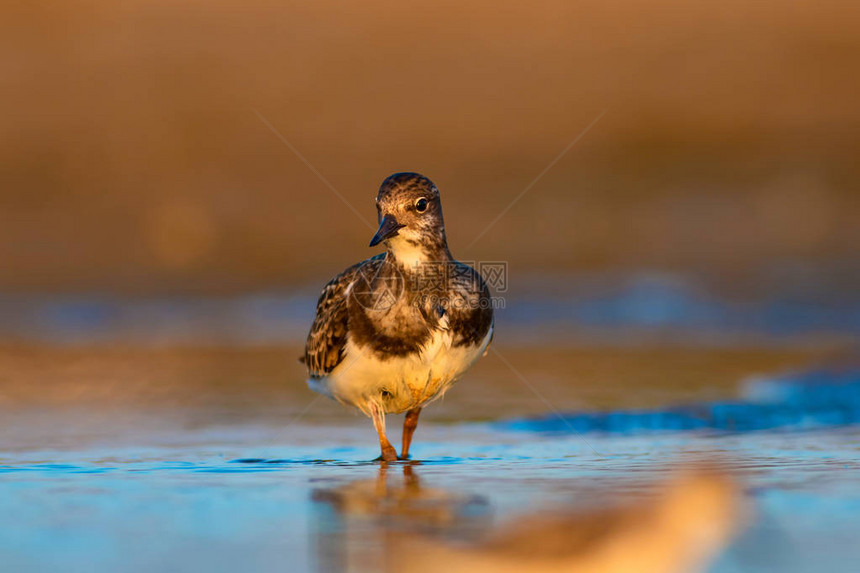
(395, 525)
(358, 525)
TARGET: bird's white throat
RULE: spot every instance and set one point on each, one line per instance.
(408, 254)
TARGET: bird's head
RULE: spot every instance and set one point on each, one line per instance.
(410, 219)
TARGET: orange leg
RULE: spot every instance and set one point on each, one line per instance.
(409, 425)
(389, 454)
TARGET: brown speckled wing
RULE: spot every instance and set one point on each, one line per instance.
(471, 318)
(326, 341)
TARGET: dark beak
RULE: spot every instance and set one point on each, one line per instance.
(387, 228)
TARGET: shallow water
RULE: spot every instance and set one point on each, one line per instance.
(225, 498)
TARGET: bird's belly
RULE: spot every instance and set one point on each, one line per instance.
(398, 383)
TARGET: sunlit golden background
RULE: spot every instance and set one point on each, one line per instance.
(133, 159)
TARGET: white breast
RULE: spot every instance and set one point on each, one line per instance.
(411, 381)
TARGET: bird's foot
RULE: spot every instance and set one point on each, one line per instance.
(389, 454)
(404, 458)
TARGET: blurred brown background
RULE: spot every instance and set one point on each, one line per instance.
(132, 160)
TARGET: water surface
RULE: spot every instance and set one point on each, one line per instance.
(222, 499)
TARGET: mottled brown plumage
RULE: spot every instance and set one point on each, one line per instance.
(327, 338)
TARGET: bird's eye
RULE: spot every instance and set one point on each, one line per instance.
(421, 205)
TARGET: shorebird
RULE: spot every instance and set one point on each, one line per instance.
(394, 332)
